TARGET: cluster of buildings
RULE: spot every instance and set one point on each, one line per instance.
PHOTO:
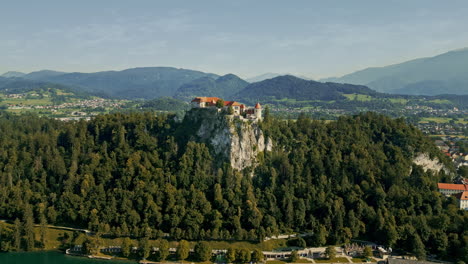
(450, 128)
(238, 110)
(448, 146)
(22, 95)
(92, 103)
(459, 191)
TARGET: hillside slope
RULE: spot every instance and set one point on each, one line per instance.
(143, 175)
(146, 83)
(224, 87)
(290, 87)
(442, 74)
(20, 85)
(12, 74)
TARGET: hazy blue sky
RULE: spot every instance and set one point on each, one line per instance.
(313, 38)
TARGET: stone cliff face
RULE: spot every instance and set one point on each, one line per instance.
(423, 160)
(230, 138)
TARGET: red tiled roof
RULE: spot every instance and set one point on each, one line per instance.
(231, 103)
(451, 186)
(205, 99)
(258, 106)
(213, 100)
(462, 195)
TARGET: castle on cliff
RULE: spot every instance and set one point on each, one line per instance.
(238, 109)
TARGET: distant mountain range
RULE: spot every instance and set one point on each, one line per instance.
(443, 74)
(146, 83)
(292, 92)
(224, 87)
(13, 74)
(262, 77)
(271, 75)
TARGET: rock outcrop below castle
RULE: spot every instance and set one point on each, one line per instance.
(230, 138)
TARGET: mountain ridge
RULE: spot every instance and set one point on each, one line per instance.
(291, 87)
(223, 86)
(133, 83)
(410, 77)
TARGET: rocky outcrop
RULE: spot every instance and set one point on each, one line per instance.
(235, 140)
(423, 160)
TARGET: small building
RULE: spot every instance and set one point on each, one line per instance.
(318, 252)
(462, 200)
(449, 189)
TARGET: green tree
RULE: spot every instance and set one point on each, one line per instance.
(257, 256)
(17, 235)
(163, 251)
(220, 103)
(43, 230)
(202, 251)
(183, 250)
(126, 247)
(294, 256)
(418, 248)
(145, 248)
(243, 255)
(230, 255)
(330, 251)
(29, 228)
(91, 246)
(296, 242)
(367, 253)
(320, 236)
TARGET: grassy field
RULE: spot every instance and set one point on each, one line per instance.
(275, 262)
(440, 101)
(398, 100)
(358, 97)
(362, 260)
(53, 240)
(28, 102)
(441, 120)
(301, 260)
(52, 237)
(335, 260)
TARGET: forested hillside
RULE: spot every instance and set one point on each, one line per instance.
(18, 85)
(224, 87)
(290, 87)
(165, 104)
(140, 175)
(146, 82)
(442, 74)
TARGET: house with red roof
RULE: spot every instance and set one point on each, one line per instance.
(462, 200)
(240, 110)
(449, 189)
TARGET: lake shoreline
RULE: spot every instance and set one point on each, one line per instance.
(54, 256)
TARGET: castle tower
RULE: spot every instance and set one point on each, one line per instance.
(258, 111)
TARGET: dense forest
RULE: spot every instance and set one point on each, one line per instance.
(224, 87)
(291, 87)
(142, 175)
(164, 104)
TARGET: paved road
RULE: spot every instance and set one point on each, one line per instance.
(86, 231)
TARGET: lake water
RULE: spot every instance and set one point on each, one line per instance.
(51, 257)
